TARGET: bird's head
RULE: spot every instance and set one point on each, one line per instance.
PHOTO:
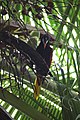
(45, 40)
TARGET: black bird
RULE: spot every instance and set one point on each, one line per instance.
(45, 51)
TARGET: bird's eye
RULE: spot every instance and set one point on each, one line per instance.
(45, 39)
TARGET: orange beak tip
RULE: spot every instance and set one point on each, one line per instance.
(44, 45)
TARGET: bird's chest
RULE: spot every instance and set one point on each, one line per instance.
(46, 53)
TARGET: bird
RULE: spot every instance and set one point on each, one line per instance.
(46, 52)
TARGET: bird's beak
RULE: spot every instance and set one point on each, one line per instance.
(44, 45)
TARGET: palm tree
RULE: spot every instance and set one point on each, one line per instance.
(22, 23)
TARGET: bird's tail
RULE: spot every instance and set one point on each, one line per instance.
(37, 87)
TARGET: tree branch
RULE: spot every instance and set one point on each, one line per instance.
(32, 55)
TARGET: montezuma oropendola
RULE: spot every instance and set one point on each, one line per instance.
(45, 51)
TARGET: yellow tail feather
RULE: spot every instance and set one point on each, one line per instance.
(36, 89)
